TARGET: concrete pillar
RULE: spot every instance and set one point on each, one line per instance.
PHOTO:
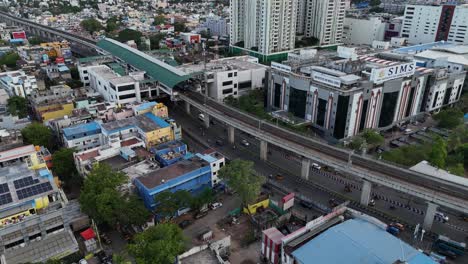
(263, 150)
(305, 170)
(187, 107)
(365, 193)
(230, 131)
(207, 120)
(429, 216)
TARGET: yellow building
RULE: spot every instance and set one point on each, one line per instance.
(56, 48)
(154, 129)
(55, 110)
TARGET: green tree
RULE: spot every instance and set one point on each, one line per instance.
(64, 166)
(91, 25)
(18, 106)
(167, 203)
(99, 196)
(373, 137)
(37, 134)
(179, 26)
(102, 201)
(438, 153)
(457, 169)
(35, 40)
(155, 39)
(9, 59)
(135, 211)
(241, 177)
(374, 3)
(356, 143)
(449, 118)
(205, 197)
(158, 244)
(112, 24)
(158, 20)
(130, 34)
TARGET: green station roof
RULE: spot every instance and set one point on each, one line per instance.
(156, 69)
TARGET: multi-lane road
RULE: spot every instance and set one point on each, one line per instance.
(322, 186)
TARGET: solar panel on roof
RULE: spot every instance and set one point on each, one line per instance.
(5, 198)
(34, 190)
(4, 188)
(24, 182)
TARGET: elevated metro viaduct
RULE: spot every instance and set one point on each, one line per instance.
(435, 191)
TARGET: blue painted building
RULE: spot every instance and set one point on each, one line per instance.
(193, 175)
(170, 152)
(83, 136)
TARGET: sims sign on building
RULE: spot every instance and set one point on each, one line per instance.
(381, 75)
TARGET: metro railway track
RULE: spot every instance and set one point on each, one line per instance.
(342, 155)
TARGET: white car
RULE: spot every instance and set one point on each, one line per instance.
(442, 216)
(316, 166)
(83, 261)
(215, 206)
(245, 143)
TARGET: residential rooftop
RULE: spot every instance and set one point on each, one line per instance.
(147, 122)
(163, 175)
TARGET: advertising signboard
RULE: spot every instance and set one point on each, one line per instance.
(381, 75)
(326, 78)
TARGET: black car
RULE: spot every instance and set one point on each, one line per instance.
(184, 224)
(306, 204)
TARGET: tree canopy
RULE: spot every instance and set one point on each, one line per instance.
(449, 118)
(102, 201)
(91, 25)
(158, 20)
(167, 203)
(64, 166)
(179, 26)
(158, 244)
(9, 59)
(438, 153)
(129, 34)
(18, 106)
(241, 177)
(37, 134)
(112, 24)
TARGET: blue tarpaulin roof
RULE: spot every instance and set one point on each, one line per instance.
(357, 241)
(82, 128)
(159, 121)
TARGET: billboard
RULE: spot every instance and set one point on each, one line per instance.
(195, 39)
(288, 201)
(59, 60)
(326, 79)
(18, 35)
(381, 75)
(45, 58)
(280, 66)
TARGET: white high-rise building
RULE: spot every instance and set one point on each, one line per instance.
(324, 20)
(423, 24)
(359, 31)
(268, 26)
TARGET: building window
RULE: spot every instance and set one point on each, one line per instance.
(126, 87)
(127, 96)
(227, 83)
(227, 91)
(230, 74)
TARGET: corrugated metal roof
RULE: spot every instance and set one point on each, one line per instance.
(156, 69)
(358, 241)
